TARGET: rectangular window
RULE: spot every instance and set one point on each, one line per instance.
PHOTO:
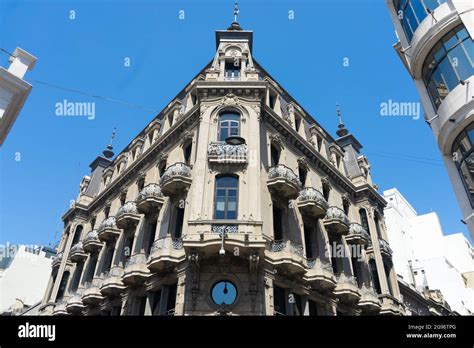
(178, 227)
(151, 237)
(308, 241)
(171, 299)
(232, 70)
(226, 197)
(298, 305)
(108, 258)
(156, 302)
(277, 223)
(279, 300)
(313, 308)
(141, 304)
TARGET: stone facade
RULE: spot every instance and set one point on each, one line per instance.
(235, 201)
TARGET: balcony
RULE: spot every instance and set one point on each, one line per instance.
(150, 199)
(127, 216)
(221, 153)
(312, 202)
(369, 301)
(357, 235)
(287, 256)
(346, 289)
(385, 249)
(136, 270)
(92, 243)
(74, 304)
(108, 229)
(60, 308)
(390, 305)
(176, 179)
(77, 253)
(282, 181)
(208, 235)
(336, 221)
(57, 259)
(91, 294)
(320, 274)
(166, 253)
(112, 284)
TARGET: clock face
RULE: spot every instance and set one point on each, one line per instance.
(224, 293)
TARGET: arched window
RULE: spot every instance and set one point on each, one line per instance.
(77, 234)
(226, 197)
(229, 125)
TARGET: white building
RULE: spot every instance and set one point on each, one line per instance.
(424, 257)
(13, 89)
(436, 45)
(24, 275)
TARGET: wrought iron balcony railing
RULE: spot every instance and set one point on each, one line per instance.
(286, 245)
(282, 171)
(177, 169)
(222, 152)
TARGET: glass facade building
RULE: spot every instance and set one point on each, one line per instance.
(450, 62)
(412, 12)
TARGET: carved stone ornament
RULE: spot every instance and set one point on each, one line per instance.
(303, 162)
(230, 100)
(276, 139)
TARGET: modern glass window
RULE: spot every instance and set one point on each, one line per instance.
(226, 195)
(450, 61)
(463, 157)
(412, 12)
(229, 125)
(232, 70)
(224, 292)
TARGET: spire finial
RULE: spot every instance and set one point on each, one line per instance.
(342, 129)
(108, 153)
(236, 10)
(339, 114)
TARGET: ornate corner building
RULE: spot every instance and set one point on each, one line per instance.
(232, 201)
(435, 43)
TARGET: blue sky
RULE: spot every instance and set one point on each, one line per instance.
(305, 55)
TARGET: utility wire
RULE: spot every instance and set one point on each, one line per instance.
(117, 101)
(5, 51)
